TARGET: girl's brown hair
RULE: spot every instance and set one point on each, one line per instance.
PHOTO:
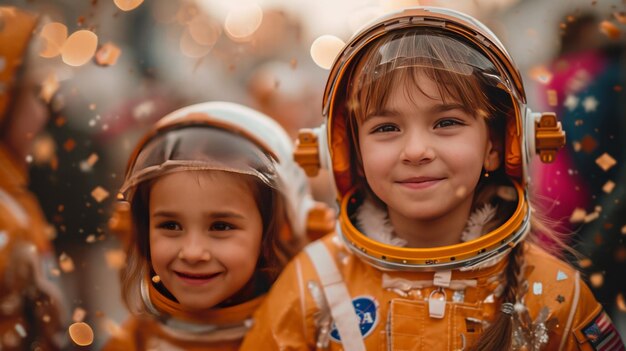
(370, 87)
(273, 257)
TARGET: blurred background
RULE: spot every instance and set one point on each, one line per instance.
(144, 59)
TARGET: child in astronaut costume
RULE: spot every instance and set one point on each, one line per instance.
(32, 309)
(429, 142)
(217, 206)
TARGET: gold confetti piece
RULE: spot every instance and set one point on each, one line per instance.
(91, 238)
(610, 30)
(53, 37)
(43, 149)
(79, 48)
(605, 161)
(324, 50)
(242, 21)
(46, 318)
(596, 279)
(19, 328)
(79, 315)
(541, 74)
(81, 334)
(66, 263)
(116, 259)
(552, 97)
(107, 55)
(588, 144)
(624, 230)
(578, 215)
(92, 159)
(156, 279)
(127, 5)
(592, 217)
(620, 17)
(99, 194)
(55, 272)
(507, 193)
(577, 146)
(620, 302)
(49, 87)
(69, 145)
(584, 263)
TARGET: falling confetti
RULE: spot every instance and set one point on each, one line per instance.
(605, 161)
(99, 194)
(53, 37)
(116, 259)
(585, 263)
(541, 74)
(571, 102)
(81, 334)
(92, 159)
(79, 315)
(588, 144)
(620, 17)
(243, 21)
(107, 55)
(127, 5)
(66, 263)
(79, 48)
(620, 302)
(552, 97)
(608, 187)
(610, 30)
(69, 145)
(596, 279)
(324, 50)
(591, 217)
(49, 87)
(590, 104)
(624, 230)
(578, 215)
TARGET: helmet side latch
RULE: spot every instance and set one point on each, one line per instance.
(549, 137)
(306, 153)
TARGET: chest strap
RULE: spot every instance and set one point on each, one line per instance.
(338, 297)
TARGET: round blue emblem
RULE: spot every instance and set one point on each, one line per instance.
(366, 309)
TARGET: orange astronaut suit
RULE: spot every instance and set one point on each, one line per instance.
(351, 292)
(29, 301)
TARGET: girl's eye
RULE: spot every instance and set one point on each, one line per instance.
(444, 123)
(385, 128)
(222, 226)
(170, 225)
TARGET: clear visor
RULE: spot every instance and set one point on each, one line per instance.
(430, 50)
(199, 148)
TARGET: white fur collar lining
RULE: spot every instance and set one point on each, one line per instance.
(374, 222)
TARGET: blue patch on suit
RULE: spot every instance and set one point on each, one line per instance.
(366, 309)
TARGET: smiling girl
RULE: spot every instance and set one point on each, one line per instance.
(430, 140)
(217, 207)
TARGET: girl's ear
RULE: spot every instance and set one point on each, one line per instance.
(492, 157)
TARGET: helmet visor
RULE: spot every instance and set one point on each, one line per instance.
(198, 148)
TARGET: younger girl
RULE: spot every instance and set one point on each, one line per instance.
(430, 140)
(217, 206)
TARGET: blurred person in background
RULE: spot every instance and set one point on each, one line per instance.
(31, 308)
(588, 179)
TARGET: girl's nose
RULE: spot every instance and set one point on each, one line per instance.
(417, 148)
(195, 249)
